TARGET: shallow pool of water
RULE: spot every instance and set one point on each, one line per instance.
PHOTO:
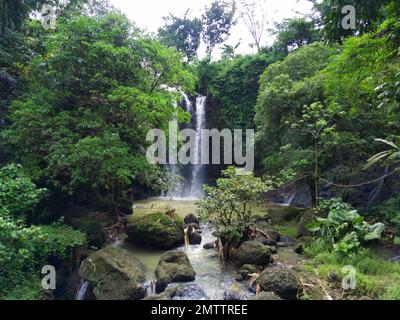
(212, 275)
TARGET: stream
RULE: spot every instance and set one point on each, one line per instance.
(212, 276)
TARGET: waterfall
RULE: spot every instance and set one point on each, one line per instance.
(197, 171)
(174, 170)
(187, 101)
(289, 201)
(81, 293)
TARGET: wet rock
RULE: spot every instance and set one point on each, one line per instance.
(253, 252)
(161, 285)
(156, 230)
(282, 282)
(191, 219)
(189, 292)
(233, 296)
(246, 272)
(166, 295)
(266, 296)
(195, 238)
(185, 292)
(174, 266)
(114, 274)
(208, 246)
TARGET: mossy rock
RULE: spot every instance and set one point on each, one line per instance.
(282, 282)
(174, 266)
(284, 214)
(114, 274)
(156, 230)
(253, 252)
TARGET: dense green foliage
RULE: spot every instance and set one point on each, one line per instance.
(369, 15)
(25, 249)
(18, 194)
(234, 84)
(295, 33)
(99, 110)
(344, 229)
(183, 33)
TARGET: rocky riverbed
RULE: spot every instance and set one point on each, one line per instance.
(168, 255)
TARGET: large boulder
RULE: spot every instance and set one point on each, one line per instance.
(114, 274)
(282, 282)
(253, 252)
(174, 266)
(156, 230)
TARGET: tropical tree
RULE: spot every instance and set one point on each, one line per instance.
(295, 33)
(182, 33)
(218, 19)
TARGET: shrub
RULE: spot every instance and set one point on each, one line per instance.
(344, 229)
(228, 205)
(18, 194)
(24, 250)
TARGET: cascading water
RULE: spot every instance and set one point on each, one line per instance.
(289, 200)
(198, 168)
(187, 101)
(174, 170)
(81, 293)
